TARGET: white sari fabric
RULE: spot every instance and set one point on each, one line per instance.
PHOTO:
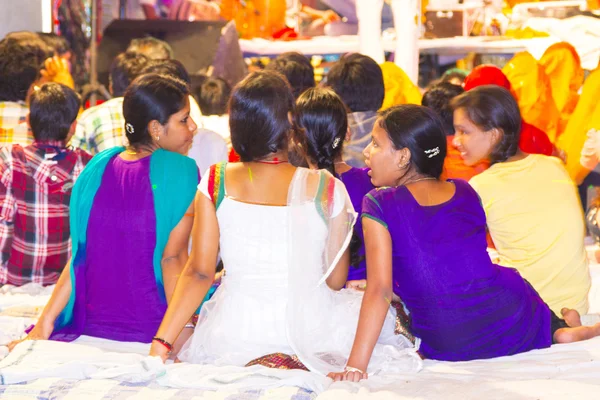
(321, 323)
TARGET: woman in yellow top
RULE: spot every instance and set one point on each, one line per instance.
(532, 207)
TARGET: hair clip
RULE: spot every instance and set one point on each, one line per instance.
(129, 128)
(432, 152)
(336, 142)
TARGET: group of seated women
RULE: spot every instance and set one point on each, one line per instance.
(286, 237)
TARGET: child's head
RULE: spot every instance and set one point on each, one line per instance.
(406, 139)
(157, 113)
(213, 95)
(262, 116)
(487, 122)
(53, 109)
(438, 98)
(358, 80)
(151, 47)
(297, 69)
(173, 68)
(323, 117)
(124, 69)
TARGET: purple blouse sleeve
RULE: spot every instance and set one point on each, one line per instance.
(371, 208)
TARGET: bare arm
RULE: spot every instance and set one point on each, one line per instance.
(339, 275)
(376, 300)
(197, 276)
(175, 255)
(59, 299)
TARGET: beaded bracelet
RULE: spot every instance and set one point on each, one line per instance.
(352, 369)
(168, 345)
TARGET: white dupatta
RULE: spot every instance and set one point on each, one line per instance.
(321, 221)
(321, 323)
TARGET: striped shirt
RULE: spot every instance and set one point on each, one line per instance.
(101, 127)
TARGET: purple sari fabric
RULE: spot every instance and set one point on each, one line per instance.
(358, 184)
(461, 305)
(117, 297)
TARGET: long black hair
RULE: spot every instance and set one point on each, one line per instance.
(322, 115)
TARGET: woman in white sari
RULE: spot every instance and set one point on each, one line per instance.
(283, 234)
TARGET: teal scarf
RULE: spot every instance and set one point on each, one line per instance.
(174, 179)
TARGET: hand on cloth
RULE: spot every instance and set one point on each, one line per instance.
(39, 332)
(350, 375)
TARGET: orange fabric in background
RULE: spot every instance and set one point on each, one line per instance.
(563, 66)
(585, 117)
(533, 91)
(454, 167)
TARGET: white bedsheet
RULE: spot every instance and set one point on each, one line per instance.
(103, 369)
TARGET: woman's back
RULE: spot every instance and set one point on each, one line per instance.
(535, 219)
(443, 274)
(122, 219)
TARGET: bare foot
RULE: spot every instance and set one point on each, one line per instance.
(571, 317)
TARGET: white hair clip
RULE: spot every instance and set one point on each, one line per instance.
(336, 142)
(432, 152)
(129, 128)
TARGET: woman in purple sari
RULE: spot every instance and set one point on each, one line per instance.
(425, 242)
(323, 117)
(130, 217)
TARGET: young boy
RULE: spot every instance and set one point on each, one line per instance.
(35, 190)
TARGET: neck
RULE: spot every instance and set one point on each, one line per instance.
(519, 155)
(410, 177)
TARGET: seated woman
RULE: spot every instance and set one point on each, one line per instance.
(129, 223)
(532, 139)
(283, 233)
(462, 306)
(532, 207)
(322, 116)
(438, 98)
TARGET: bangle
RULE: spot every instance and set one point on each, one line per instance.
(352, 369)
(189, 325)
(168, 345)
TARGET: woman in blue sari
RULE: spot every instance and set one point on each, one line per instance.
(131, 216)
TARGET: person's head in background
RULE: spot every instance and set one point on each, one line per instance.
(438, 98)
(156, 109)
(262, 116)
(21, 60)
(154, 49)
(487, 122)
(58, 44)
(123, 70)
(408, 142)
(322, 117)
(358, 80)
(172, 68)
(53, 110)
(213, 96)
(486, 74)
(297, 69)
(455, 76)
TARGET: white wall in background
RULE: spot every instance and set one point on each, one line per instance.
(25, 15)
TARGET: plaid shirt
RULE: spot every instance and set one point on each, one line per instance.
(101, 127)
(35, 190)
(13, 124)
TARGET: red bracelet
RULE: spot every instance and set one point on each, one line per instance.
(168, 345)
